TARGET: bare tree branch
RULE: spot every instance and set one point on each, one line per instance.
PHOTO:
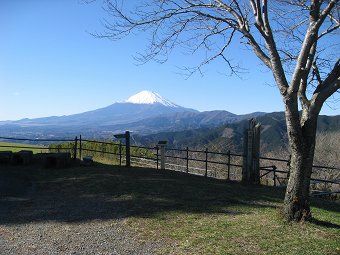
(295, 39)
(329, 86)
(212, 24)
(317, 18)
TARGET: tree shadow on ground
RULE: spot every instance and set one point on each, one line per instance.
(325, 223)
(84, 193)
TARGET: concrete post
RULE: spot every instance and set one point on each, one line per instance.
(251, 165)
(255, 176)
(161, 145)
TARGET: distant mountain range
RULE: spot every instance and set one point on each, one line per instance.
(144, 113)
(230, 136)
(151, 117)
(140, 106)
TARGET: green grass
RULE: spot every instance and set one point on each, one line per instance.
(4, 146)
(194, 215)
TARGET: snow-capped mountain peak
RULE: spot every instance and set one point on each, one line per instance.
(149, 97)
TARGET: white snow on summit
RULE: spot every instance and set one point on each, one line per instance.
(149, 97)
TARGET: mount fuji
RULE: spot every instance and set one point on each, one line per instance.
(149, 97)
(143, 105)
(143, 113)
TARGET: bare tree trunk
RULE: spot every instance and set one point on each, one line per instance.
(195, 24)
(302, 143)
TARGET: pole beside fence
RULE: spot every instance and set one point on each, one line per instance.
(187, 159)
(75, 148)
(157, 157)
(120, 153)
(206, 162)
(228, 175)
(162, 145)
(80, 147)
(127, 142)
(251, 161)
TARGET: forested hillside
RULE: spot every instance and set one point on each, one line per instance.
(230, 136)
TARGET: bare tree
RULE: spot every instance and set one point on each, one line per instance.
(296, 39)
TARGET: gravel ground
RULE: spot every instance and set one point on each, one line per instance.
(33, 221)
(96, 237)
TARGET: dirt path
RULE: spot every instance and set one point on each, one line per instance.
(39, 221)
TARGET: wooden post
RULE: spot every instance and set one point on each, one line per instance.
(127, 143)
(162, 149)
(161, 145)
(251, 161)
(249, 153)
(255, 173)
(120, 153)
(206, 162)
(126, 136)
(274, 176)
(75, 148)
(157, 156)
(80, 147)
(228, 176)
(187, 159)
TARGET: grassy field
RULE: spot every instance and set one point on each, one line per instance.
(14, 147)
(194, 215)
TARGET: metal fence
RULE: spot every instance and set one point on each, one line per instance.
(212, 164)
(206, 163)
(324, 180)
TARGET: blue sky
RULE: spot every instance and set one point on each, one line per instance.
(51, 65)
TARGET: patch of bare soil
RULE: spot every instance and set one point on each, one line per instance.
(38, 218)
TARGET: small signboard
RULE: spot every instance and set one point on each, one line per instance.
(126, 136)
(120, 136)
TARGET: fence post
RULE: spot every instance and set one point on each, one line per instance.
(127, 143)
(120, 153)
(80, 147)
(187, 158)
(157, 156)
(255, 173)
(206, 162)
(162, 145)
(228, 177)
(274, 175)
(251, 161)
(75, 148)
